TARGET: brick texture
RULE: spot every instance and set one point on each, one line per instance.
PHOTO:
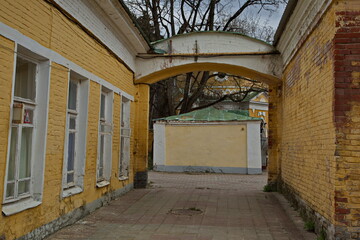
(347, 120)
(320, 136)
(46, 25)
(308, 131)
(6, 73)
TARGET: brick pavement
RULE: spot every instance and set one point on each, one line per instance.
(233, 207)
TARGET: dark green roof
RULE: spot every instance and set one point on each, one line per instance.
(211, 114)
(250, 96)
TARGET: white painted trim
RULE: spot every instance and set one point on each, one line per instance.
(102, 184)
(40, 118)
(19, 38)
(71, 191)
(66, 140)
(159, 155)
(10, 123)
(19, 206)
(46, 74)
(303, 20)
(123, 178)
(107, 164)
(253, 146)
(259, 106)
(175, 123)
(123, 22)
(125, 116)
(83, 88)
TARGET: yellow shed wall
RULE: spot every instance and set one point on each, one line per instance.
(206, 145)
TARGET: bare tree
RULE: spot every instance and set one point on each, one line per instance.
(165, 18)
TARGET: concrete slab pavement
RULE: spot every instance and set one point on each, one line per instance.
(193, 206)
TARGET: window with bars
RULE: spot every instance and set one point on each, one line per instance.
(105, 137)
(125, 132)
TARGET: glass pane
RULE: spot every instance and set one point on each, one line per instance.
(122, 114)
(70, 178)
(24, 187)
(72, 124)
(10, 188)
(28, 116)
(25, 153)
(102, 106)
(71, 152)
(11, 166)
(105, 128)
(125, 156)
(126, 147)
(125, 132)
(122, 157)
(25, 79)
(101, 160)
(72, 95)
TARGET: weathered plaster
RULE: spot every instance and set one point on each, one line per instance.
(210, 51)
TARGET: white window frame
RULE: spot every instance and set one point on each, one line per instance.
(39, 106)
(80, 115)
(104, 160)
(125, 138)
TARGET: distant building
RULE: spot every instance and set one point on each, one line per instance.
(208, 140)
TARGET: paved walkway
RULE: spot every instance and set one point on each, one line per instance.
(193, 206)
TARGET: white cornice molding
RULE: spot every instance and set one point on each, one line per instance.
(303, 20)
(124, 24)
(111, 24)
(28, 43)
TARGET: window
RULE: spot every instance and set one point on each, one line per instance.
(105, 138)
(26, 148)
(72, 117)
(125, 133)
(19, 164)
(75, 140)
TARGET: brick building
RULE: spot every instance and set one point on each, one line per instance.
(74, 107)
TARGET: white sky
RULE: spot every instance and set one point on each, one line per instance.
(271, 19)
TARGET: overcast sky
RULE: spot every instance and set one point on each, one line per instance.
(271, 19)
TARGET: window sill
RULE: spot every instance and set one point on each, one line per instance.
(19, 206)
(71, 191)
(122, 178)
(102, 184)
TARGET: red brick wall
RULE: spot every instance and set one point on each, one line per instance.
(347, 122)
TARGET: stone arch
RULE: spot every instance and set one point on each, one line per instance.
(210, 51)
(219, 51)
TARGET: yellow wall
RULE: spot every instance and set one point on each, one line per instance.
(225, 145)
(6, 73)
(319, 141)
(46, 25)
(308, 133)
(255, 112)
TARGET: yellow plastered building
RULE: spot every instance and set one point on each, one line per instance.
(71, 117)
(74, 124)
(208, 140)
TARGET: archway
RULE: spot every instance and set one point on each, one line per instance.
(216, 51)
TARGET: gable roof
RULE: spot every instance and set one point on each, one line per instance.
(211, 114)
(250, 96)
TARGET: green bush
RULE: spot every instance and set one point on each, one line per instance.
(268, 188)
(309, 226)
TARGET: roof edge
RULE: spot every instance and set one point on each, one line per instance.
(284, 20)
(224, 32)
(131, 16)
